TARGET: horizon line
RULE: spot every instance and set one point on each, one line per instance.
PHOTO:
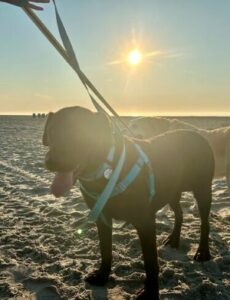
(133, 115)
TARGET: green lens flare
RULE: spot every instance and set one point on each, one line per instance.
(79, 231)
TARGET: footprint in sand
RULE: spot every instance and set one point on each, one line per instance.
(43, 288)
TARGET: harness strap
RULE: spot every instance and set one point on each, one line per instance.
(121, 186)
(130, 177)
(106, 194)
(151, 178)
(118, 188)
(100, 171)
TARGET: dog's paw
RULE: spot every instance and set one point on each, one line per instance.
(202, 255)
(97, 278)
(143, 294)
(172, 242)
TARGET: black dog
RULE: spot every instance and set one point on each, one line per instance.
(79, 141)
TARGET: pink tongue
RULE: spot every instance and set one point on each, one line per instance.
(62, 183)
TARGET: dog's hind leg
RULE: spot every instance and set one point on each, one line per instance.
(204, 200)
(101, 276)
(174, 238)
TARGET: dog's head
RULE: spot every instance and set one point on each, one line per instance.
(75, 136)
(147, 127)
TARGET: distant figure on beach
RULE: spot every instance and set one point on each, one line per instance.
(26, 3)
(39, 115)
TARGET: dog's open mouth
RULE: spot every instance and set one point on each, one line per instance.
(63, 182)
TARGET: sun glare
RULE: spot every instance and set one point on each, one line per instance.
(134, 57)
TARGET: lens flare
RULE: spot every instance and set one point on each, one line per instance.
(79, 231)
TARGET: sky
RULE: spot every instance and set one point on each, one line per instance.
(185, 69)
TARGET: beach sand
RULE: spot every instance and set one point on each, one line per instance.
(43, 256)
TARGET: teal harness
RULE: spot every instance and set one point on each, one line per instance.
(115, 187)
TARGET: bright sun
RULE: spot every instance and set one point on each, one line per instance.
(134, 57)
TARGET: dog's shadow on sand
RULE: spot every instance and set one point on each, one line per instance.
(98, 292)
(114, 290)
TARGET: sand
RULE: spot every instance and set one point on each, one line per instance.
(43, 256)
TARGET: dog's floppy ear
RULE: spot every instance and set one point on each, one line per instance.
(45, 134)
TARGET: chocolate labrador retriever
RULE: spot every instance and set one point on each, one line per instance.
(79, 141)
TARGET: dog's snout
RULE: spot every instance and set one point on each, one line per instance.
(55, 162)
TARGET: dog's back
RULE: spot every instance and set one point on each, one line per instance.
(183, 158)
(146, 127)
(219, 139)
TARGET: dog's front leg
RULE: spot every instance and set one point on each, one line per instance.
(100, 277)
(147, 237)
